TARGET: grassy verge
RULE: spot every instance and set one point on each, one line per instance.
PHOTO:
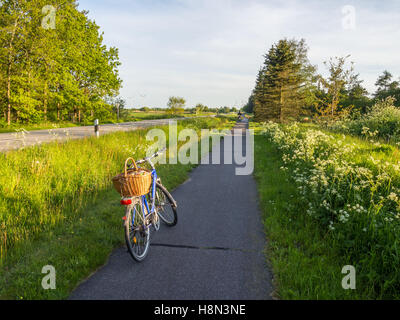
(43, 126)
(140, 116)
(329, 200)
(58, 208)
(304, 264)
(53, 125)
(131, 117)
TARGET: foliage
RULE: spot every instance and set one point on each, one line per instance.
(382, 121)
(303, 262)
(386, 87)
(333, 87)
(355, 98)
(249, 107)
(64, 73)
(200, 108)
(176, 105)
(283, 82)
(351, 189)
(287, 87)
(224, 110)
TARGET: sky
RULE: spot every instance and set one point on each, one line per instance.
(209, 51)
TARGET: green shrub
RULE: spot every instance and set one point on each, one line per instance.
(382, 121)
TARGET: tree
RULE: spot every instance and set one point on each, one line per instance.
(332, 88)
(200, 108)
(13, 15)
(224, 110)
(384, 82)
(176, 105)
(49, 73)
(249, 107)
(386, 87)
(282, 83)
(118, 106)
(355, 96)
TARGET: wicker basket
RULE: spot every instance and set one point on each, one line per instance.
(133, 182)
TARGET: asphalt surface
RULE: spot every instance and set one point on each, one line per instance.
(216, 252)
(17, 140)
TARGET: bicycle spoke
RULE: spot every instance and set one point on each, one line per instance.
(137, 235)
(165, 208)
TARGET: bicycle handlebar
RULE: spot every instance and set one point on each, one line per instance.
(151, 157)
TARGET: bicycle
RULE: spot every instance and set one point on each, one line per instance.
(139, 218)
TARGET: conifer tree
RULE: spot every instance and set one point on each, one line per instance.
(387, 87)
(283, 82)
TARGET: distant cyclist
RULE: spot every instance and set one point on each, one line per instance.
(240, 115)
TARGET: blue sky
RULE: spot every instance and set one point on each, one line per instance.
(209, 51)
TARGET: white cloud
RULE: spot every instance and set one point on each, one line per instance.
(210, 51)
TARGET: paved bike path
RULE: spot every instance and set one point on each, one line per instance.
(215, 252)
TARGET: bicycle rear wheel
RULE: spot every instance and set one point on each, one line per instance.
(165, 205)
(137, 234)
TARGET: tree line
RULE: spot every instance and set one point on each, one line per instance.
(177, 105)
(53, 63)
(288, 87)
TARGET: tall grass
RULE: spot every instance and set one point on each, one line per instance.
(350, 188)
(46, 186)
(303, 261)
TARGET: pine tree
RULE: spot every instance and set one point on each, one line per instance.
(281, 85)
(386, 87)
(249, 107)
(259, 103)
(355, 96)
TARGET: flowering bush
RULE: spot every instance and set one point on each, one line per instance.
(383, 121)
(352, 191)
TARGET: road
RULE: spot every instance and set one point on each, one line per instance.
(17, 140)
(216, 252)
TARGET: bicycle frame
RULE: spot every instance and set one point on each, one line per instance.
(145, 204)
(153, 195)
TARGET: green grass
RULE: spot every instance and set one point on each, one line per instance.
(303, 263)
(42, 126)
(140, 116)
(58, 208)
(306, 254)
(75, 248)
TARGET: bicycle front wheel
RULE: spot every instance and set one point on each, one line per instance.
(165, 205)
(137, 234)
